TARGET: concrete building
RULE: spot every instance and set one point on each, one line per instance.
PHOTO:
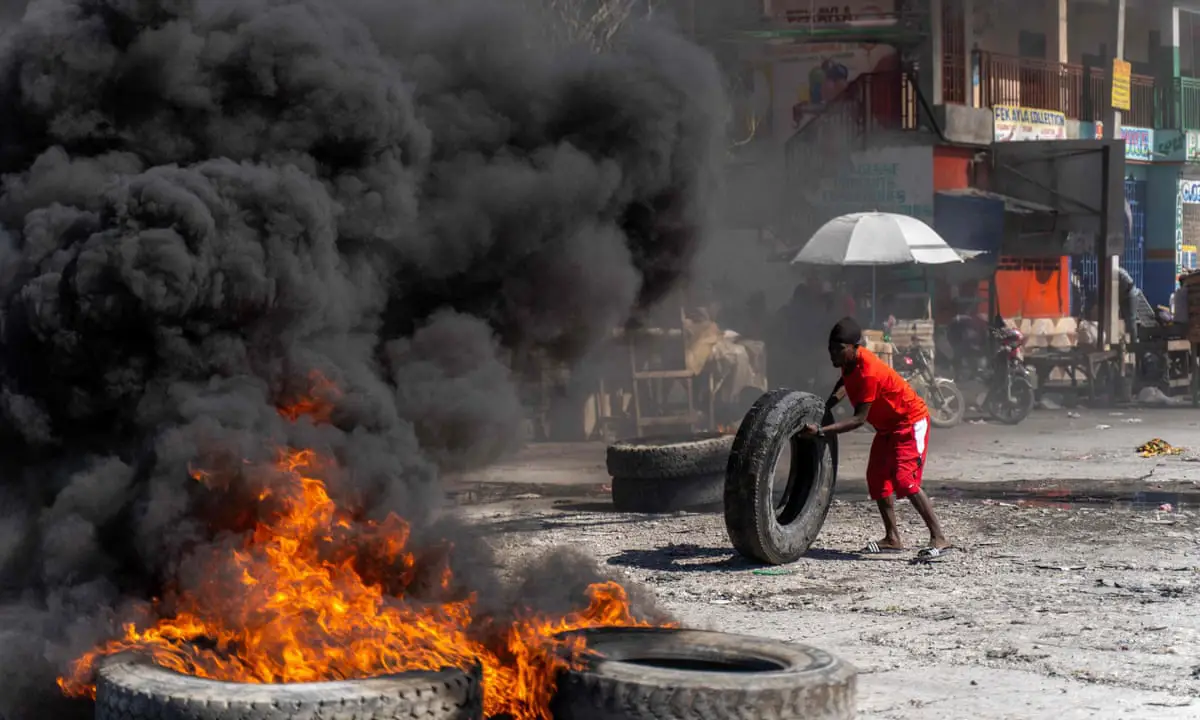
(918, 91)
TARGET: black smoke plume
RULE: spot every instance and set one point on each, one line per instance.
(204, 202)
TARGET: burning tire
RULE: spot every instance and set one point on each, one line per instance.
(666, 495)
(135, 691)
(654, 458)
(665, 674)
(768, 526)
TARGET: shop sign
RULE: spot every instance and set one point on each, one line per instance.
(1139, 143)
(807, 12)
(1014, 124)
(1189, 192)
(1121, 79)
(1185, 247)
(1193, 146)
(1170, 146)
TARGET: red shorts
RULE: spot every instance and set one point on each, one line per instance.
(898, 461)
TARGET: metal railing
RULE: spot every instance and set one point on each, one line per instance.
(954, 89)
(871, 102)
(1181, 104)
(1071, 89)
(1030, 83)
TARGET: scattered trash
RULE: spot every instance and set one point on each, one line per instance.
(1073, 414)
(1158, 448)
(719, 602)
(977, 421)
(774, 571)
(526, 496)
(1064, 568)
(1166, 507)
(1103, 427)
(1133, 421)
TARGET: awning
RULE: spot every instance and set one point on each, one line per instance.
(1011, 204)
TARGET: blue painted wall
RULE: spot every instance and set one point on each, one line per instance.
(1162, 192)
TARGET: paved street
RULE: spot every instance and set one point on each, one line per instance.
(1080, 451)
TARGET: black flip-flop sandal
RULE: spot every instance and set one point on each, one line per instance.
(874, 548)
(932, 554)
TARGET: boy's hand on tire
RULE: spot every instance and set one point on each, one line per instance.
(810, 429)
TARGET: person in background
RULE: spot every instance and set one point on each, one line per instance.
(1179, 301)
(898, 453)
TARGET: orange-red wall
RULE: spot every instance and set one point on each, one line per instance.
(951, 168)
(1033, 287)
(1025, 287)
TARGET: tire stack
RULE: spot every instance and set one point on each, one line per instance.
(669, 474)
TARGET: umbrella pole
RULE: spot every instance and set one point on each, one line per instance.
(873, 299)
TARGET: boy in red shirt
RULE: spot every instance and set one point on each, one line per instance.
(901, 421)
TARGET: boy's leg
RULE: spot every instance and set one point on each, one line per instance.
(925, 508)
(881, 468)
(912, 449)
(891, 531)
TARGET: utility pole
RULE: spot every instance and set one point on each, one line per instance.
(1108, 281)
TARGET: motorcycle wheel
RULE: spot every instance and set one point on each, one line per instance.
(1015, 412)
(946, 403)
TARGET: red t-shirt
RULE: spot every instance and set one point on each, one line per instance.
(894, 404)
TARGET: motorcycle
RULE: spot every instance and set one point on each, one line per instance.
(945, 401)
(1010, 396)
(1009, 385)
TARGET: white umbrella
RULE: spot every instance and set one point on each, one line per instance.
(875, 238)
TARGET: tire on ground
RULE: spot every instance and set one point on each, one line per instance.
(141, 691)
(668, 674)
(651, 458)
(761, 527)
(670, 494)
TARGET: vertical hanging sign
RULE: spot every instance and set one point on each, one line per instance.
(1121, 72)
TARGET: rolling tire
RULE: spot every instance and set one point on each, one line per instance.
(666, 495)
(669, 674)
(652, 458)
(760, 528)
(139, 691)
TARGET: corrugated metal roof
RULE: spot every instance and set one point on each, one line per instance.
(1011, 204)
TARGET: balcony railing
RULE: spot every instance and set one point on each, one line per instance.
(1071, 89)
(871, 103)
(954, 89)
(1182, 106)
(1030, 83)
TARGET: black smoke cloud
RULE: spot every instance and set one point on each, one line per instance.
(205, 202)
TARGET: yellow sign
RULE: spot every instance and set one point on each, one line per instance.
(1120, 84)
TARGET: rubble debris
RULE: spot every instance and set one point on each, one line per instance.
(1158, 448)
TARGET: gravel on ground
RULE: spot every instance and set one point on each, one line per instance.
(1050, 610)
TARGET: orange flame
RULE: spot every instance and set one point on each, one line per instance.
(318, 403)
(316, 594)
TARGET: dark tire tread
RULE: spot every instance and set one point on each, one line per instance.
(135, 691)
(652, 458)
(667, 495)
(749, 514)
(809, 685)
